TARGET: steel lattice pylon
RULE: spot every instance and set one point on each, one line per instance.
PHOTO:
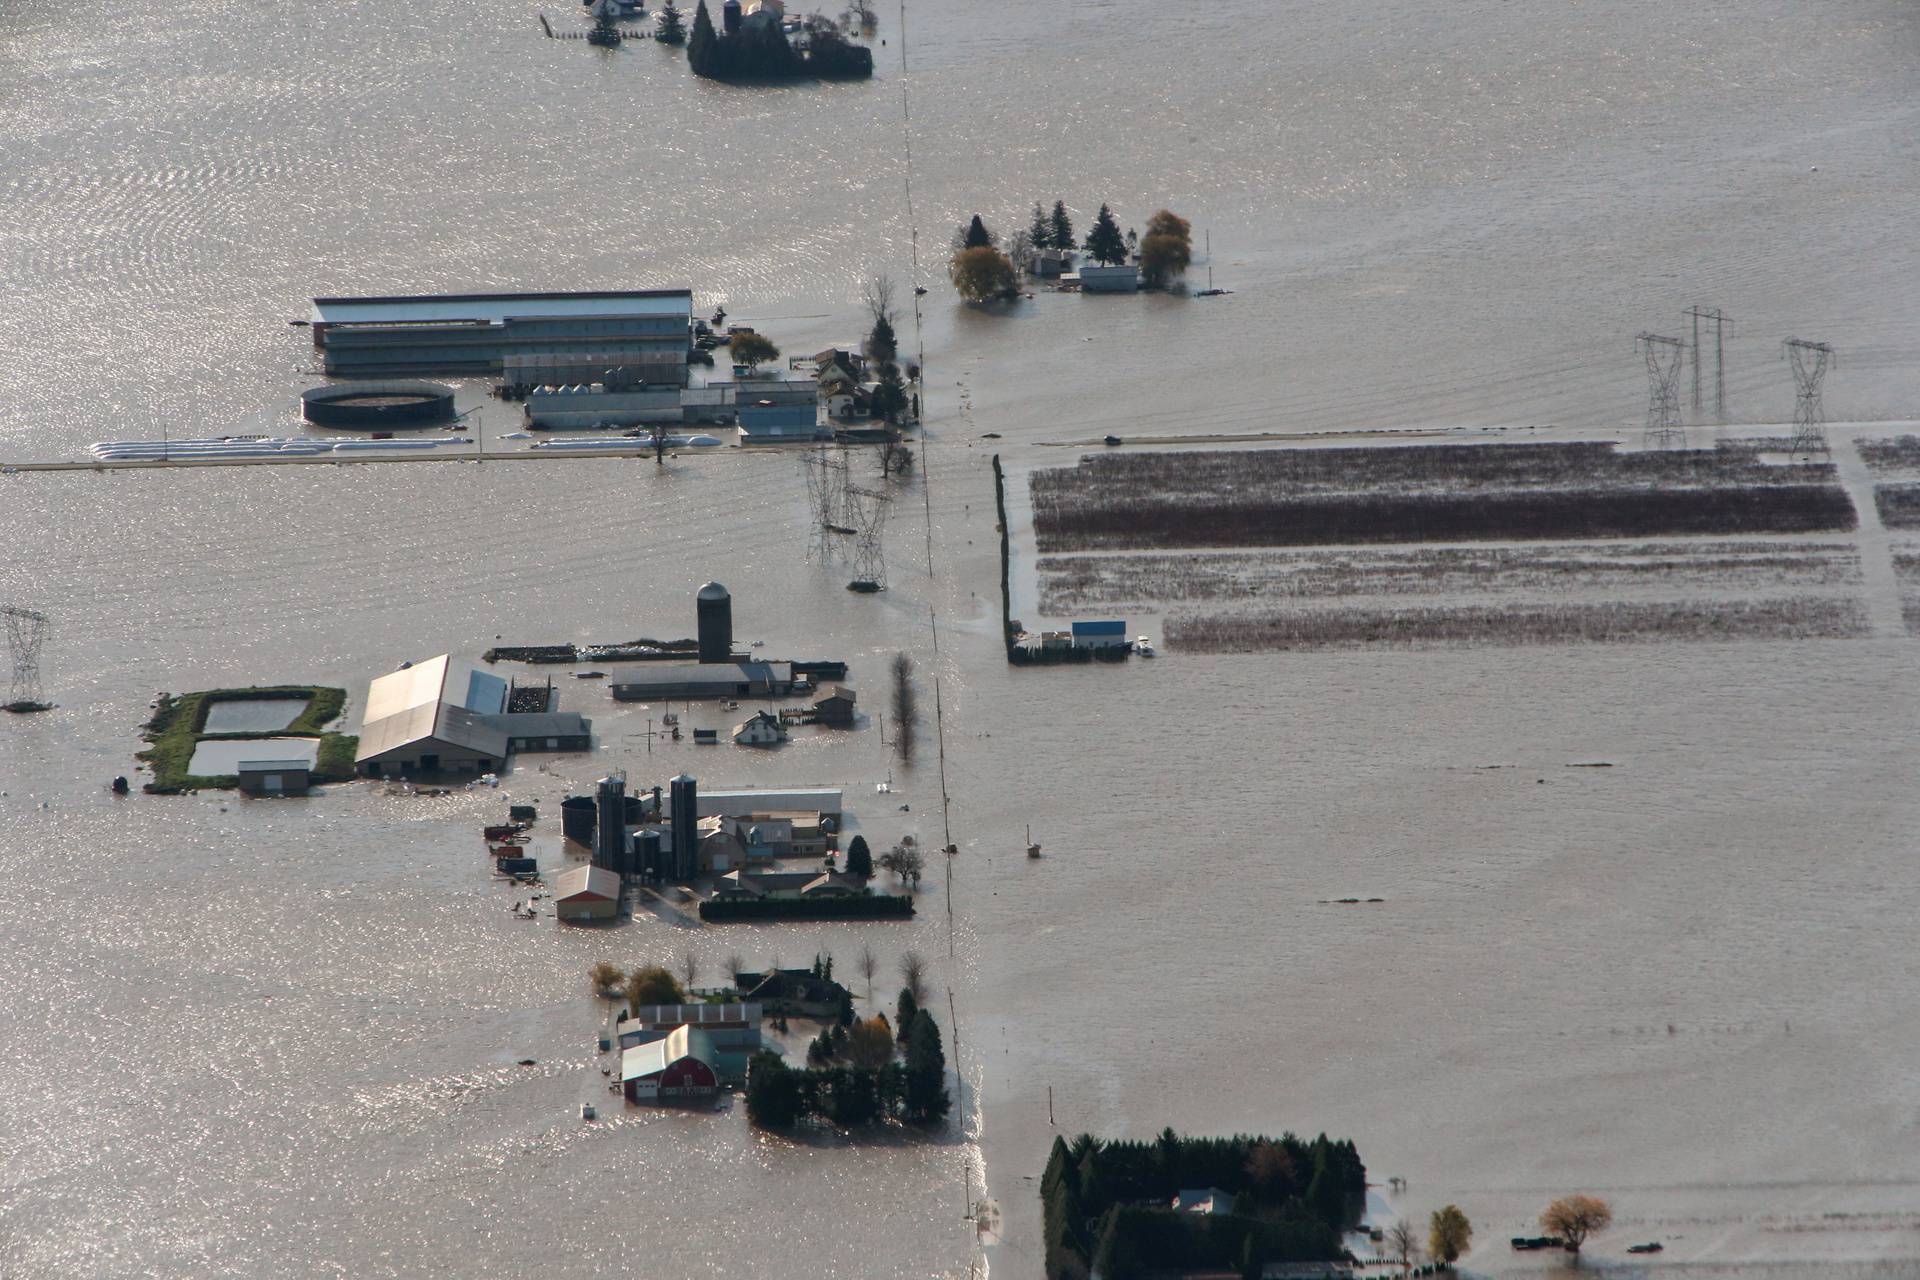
(1665, 358)
(1810, 362)
(867, 509)
(26, 633)
(827, 505)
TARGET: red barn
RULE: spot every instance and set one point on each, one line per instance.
(678, 1067)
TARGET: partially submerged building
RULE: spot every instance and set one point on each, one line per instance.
(836, 709)
(673, 681)
(475, 334)
(761, 729)
(680, 1067)
(732, 1030)
(1098, 279)
(274, 777)
(586, 893)
(448, 716)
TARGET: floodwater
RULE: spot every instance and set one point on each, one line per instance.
(252, 715)
(248, 1038)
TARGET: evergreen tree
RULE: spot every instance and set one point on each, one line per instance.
(978, 237)
(927, 1099)
(1062, 237)
(859, 857)
(604, 33)
(673, 27)
(905, 1012)
(883, 346)
(889, 401)
(1104, 242)
(773, 1092)
(1040, 234)
(703, 44)
(1325, 1195)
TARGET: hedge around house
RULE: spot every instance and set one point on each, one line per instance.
(874, 906)
(177, 723)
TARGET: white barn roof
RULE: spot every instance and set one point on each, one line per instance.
(441, 699)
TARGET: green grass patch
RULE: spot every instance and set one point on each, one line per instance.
(179, 723)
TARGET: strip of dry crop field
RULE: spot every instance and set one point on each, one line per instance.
(1788, 618)
(1899, 455)
(1899, 505)
(1072, 583)
(1435, 493)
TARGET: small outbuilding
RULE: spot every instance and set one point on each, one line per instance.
(836, 709)
(1120, 279)
(586, 893)
(274, 777)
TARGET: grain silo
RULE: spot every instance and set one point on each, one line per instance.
(714, 608)
(682, 797)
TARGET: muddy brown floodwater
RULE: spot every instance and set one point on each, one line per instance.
(248, 1038)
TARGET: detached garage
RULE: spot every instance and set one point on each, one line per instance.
(586, 893)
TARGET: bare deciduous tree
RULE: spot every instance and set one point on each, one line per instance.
(877, 296)
(1402, 1244)
(689, 968)
(869, 965)
(735, 967)
(913, 973)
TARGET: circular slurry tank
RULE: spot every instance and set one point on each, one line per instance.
(377, 405)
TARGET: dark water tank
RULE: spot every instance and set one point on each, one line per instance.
(576, 818)
(684, 801)
(646, 852)
(714, 608)
(730, 17)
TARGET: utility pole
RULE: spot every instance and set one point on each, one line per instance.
(1721, 322)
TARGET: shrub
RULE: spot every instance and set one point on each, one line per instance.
(653, 985)
(982, 274)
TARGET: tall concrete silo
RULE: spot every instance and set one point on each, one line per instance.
(683, 799)
(714, 608)
(610, 836)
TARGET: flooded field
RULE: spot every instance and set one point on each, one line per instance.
(248, 1037)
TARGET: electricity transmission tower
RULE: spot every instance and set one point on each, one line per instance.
(867, 509)
(26, 633)
(1810, 362)
(1721, 323)
(1665, 356)
(827, 500)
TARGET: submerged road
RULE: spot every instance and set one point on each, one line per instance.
(325, 460)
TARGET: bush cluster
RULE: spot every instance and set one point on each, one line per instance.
(861, 1092)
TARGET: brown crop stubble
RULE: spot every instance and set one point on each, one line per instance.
(1786, 618)
(1444, 493)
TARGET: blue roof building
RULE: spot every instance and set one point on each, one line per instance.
(1099, 635)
